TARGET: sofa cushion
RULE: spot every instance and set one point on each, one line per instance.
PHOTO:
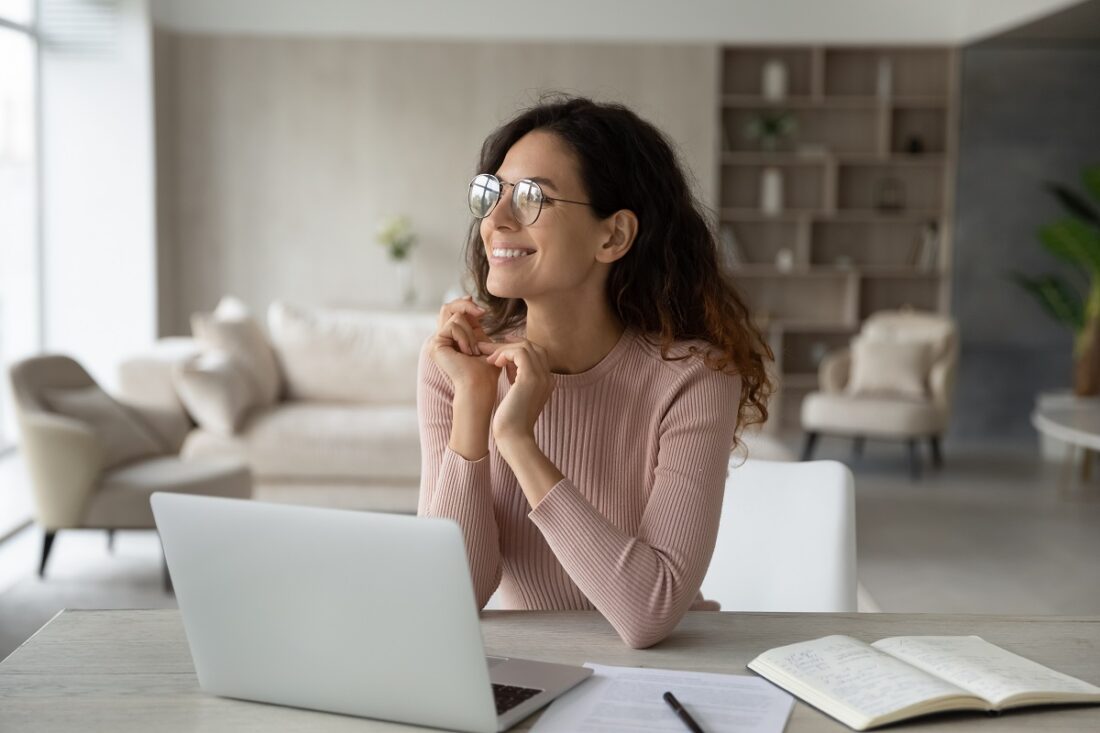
(322, 440)
(214, 387)
(231, 329)
(123, 436)
(367, 357)
(832, 412)
(122, 499)
(884, 368)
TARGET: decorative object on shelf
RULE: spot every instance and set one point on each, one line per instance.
(770, 129)
(784, 260)
(771, 191)
(395, 234)
(914, 145)
(926, 247)
(889, 194)
(731, 253)
(818, 350)
(773, 80)
(1076, 240)
(884, 78)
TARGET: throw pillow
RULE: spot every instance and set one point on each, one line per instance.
(124, 437)
(890, 368)
(216, 390)
(344, 355)
(231, 329)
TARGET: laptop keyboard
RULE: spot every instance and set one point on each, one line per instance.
(508, 696)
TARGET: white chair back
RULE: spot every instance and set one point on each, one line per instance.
(787, 539)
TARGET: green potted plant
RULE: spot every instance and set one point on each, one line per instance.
(769, 128)
(396, 235)
(1075, 239)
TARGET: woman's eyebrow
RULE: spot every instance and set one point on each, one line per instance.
(537, 179)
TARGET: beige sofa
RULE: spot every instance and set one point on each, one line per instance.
(341, 430)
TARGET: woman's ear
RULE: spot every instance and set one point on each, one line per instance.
(623, 228)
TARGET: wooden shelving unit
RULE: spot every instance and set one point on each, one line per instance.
(868, 169)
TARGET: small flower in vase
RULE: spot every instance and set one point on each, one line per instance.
(395, 234)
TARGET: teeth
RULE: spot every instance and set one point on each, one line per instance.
(510, 253)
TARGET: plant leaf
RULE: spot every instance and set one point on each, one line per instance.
(1074, 202)
(1073, 241)
(1056, 297)
(1091, 177)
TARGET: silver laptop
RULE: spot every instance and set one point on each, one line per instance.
(347, 612)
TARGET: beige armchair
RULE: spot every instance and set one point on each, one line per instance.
(94, 462)
(836, 410)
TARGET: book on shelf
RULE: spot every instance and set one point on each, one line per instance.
(868, 685)
(926, 247)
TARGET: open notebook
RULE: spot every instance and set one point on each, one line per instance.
(868, 685)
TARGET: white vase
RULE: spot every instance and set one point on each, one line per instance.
(773, 80)
(405, 287)
(884, 78)
(771, 191)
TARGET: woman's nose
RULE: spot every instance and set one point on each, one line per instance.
(501, 217)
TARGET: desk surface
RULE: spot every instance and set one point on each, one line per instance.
(131, 670)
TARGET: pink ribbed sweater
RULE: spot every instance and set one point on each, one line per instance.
(644, 446)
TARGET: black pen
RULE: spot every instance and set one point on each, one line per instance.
(688, 720)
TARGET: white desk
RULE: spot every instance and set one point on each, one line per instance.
(120, 671)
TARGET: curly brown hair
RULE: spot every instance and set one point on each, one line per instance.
(669, 286)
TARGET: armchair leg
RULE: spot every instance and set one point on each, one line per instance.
(47, 544)
(808, 446)
(914, 459)
(857, 448)
(111, 541)
(937, 453)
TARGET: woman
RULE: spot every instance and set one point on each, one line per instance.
(578, 426)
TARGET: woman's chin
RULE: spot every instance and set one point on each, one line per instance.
(501, 288)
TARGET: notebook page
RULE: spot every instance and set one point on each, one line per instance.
(859, 676)
(983, 668)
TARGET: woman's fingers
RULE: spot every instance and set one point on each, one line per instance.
(458, 330)
(462, 305)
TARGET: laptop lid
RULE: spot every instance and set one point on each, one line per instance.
(349, 612)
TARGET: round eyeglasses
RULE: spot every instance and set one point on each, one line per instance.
(527, 198)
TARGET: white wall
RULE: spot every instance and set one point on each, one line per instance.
(98, 181)
(280, 156)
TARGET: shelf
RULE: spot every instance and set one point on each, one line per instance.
(859, 111)
(799, 380)
(764, 270)
(850, 215)
(751, 101)
(796, 157)
(791, 326)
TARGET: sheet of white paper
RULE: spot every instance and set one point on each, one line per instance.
(623, 699)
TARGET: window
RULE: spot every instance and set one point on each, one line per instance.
(19, 271)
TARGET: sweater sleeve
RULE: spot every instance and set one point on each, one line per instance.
(451, 486)
(644, 584)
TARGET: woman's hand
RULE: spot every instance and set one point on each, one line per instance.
(528, 370)
(454, 349)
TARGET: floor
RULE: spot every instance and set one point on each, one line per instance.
(990, 533)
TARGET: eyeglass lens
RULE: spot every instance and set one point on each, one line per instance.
(526, 199)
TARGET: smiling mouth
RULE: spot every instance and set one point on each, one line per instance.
(508, 253)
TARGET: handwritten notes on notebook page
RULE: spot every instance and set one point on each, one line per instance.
(623, 699)
(983, 669)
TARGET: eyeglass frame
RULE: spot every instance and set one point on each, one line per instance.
(500, 196)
